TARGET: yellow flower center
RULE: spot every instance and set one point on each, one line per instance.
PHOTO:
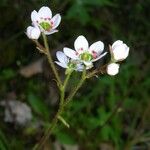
(86, 56)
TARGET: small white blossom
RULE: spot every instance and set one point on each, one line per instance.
(113, 69)
(119, 50)
(65, 62)
(44, 20)
(84, 53)
(33, 32)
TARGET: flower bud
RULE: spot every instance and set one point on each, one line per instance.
(119, 51)
(113, 69)
(33, 32)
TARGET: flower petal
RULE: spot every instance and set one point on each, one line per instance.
(112, 69)
(33, 32)
(97, 47)
(45, 12)
(117, 43)
(62, 57)
(61, 64)
(50, 32)
(88, 64)
(29, 29)
(127, 51)
(34, 16)
(79, 67)
(56, 21)
(70, 53)
(81, 43)
(102, 55)
(121, 52)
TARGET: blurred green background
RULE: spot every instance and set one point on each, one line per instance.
(108, 112)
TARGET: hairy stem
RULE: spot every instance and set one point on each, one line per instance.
(101, 70)
(51, 61)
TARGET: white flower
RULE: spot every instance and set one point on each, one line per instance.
(33, 32)
(119, 50)
(65, 62)
(84, 53)
(44, 20)
(112, 69)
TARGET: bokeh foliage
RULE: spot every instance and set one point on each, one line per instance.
(106, 110)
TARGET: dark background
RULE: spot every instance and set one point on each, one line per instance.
(110, 112)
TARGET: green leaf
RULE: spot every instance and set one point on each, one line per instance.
(79, 12)
(63, 121)
(2, 146)
(7, 74)
(3, 142)
(103, 115)
(65, 138)
(99, 2)
(92, 122)
(38, 105)
(105, 132)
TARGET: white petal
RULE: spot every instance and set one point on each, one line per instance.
(89, 67)
(102, 55)
(45, 12)
(97, 47)
(50, 32)
(117, 43)
(127, 51)
(61, 64)
(29, 29)
(120, 52)
(88, 63)
(80, 67)
(81, 43)
(33, 32)
(70, 53)
(112, 69)
(62, 57)
(56, 21)
(34, 16)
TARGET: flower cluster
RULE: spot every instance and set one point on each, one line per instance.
(83, 55)
(43, 21)
(119, 51)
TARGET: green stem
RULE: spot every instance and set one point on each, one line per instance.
(50, 60)
(67, 79)
(39, 145)
(74, 91)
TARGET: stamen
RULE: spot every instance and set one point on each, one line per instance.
(46, 25)
(77, 53)
(86, 56)
(94, 54)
